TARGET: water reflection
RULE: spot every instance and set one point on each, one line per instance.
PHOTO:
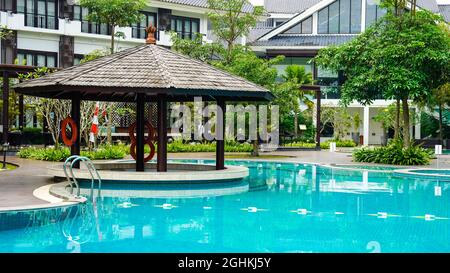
(295, 208)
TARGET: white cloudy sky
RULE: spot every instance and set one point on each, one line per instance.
(261, 2)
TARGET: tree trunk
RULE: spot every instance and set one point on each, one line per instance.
(109, 128)
(413, 7)
(441, 134)
(255, 148)
(112, 39)
(397, 120)
(55, 135)
(229, 58)
(406, 121)
(295, 124)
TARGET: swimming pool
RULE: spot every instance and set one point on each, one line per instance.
(288, 208)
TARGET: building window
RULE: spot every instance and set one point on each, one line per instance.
(138, 30)
(185, 27)
(279, 22)
(37, 58)
(301, 61)
(81, 13)
(304, 27)
(39, 13)
(340, 17)
(373, 12)
(3, 5)
(77, 59)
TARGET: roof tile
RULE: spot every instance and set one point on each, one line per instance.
(148, 67)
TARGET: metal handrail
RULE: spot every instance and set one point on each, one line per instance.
(89, 166)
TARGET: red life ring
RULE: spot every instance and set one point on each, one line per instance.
(151, 132)
(149, 157)
(73, 126)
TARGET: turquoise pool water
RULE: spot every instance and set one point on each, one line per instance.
(288, 208)
(370, 167)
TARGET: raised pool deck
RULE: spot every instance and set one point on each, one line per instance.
(17, 186)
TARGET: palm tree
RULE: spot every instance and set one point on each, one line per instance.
(297, 75)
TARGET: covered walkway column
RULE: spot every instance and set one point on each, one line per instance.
(5, 113)
(162, 134)
(140, 124)
(366, 126)
(220, 135)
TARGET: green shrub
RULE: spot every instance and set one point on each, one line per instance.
(32, 130)
(61, 154)
(394, 154)
(107, 152)
(178, 146)
(339, 143)
(301, 145)
(45, 154)
(323, 145)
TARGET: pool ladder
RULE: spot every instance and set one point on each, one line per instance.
(71, 178)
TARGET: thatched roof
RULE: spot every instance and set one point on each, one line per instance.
(148, 69)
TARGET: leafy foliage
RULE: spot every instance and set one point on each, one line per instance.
(120, 151)
(98, 53)
(195, 48)
(394, 154)
(324, 145)
(400, 57)
(4, 32)
(246, 64)
(119, 13)
(341, 120)
(178, 146)
(60, 154)
(115, 13)
(229, 21)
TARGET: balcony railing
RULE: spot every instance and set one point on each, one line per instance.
(95, 28)
(334, 93)
(41, 21)
(140, 33)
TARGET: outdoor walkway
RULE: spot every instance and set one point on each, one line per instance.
(17, 186)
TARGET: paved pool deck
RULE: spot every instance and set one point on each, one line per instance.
(17, 186)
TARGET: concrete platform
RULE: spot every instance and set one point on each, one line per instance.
(123, 172)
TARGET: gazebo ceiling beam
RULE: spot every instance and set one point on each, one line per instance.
(172, 94)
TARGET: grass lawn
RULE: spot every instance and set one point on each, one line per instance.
(8, 167)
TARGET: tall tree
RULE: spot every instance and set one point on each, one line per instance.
(398, 57)
(398, 7)
(230, 21)
(115, 13)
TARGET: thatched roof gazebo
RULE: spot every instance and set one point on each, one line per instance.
(146, 73)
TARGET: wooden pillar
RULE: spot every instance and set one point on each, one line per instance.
(162, 134)
(140, 124)
(220, 136)
(5, 113)
(21, 113)
(75, 114)
(318, 125)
